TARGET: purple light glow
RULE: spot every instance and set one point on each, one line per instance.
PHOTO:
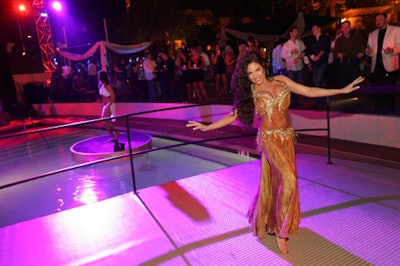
(56, 6)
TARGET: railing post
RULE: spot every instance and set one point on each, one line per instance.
(128, 132)
(328, 128)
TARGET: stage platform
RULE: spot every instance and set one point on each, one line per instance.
(101, 147)
(350, 216)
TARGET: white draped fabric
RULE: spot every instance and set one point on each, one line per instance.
(243, 35)
(299, 23)
(116, 48)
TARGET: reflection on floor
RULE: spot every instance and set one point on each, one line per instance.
(350, 216)
(77, 187)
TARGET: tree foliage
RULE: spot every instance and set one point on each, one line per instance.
(334, 7)
(155, 20)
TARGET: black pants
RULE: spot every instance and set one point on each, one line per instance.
(348, 72)
(381, 76)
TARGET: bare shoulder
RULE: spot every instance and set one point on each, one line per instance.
(281, 79)
(288, 83)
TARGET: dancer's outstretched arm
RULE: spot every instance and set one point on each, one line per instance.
(313, 92)
(226, 120)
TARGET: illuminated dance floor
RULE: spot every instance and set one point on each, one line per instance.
(190, 210)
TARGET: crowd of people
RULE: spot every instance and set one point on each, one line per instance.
(185, 76)
(338, 60)
(194, 74)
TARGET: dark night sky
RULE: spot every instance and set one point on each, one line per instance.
(81, 19)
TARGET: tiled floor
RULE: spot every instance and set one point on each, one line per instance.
(350, 216)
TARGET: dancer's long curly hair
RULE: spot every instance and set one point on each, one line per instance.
(241, 87)
(103, 77)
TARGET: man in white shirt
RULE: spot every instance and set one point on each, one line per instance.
(92, 75)
(149, 66)
(290, 52)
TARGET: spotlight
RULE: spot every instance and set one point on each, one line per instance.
(21, 7)
(56, 6)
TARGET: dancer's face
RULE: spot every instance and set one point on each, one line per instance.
(256, 73)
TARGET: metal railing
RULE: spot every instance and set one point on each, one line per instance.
(131, 153)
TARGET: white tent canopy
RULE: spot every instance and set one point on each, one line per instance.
(276, 28)
(116, 48)
(299, 23)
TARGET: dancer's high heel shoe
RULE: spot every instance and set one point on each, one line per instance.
(281, 243)
(119, 146)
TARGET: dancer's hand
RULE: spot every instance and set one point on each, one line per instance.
(196, 125)
(353, 86)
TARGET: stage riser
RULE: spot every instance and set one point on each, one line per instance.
(366, 128)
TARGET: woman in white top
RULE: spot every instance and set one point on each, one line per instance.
(108, 104)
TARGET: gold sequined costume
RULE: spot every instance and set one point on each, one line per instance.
(276, 208)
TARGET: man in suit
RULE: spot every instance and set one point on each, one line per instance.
(349, 49)
(383, 47)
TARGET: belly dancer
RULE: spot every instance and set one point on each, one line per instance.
(275, 209)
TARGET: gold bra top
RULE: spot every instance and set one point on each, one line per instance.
(268, 105)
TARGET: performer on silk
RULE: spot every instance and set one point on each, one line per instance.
(108, 108)
(275, 209)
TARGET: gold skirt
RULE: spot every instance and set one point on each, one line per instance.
(276, 207)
